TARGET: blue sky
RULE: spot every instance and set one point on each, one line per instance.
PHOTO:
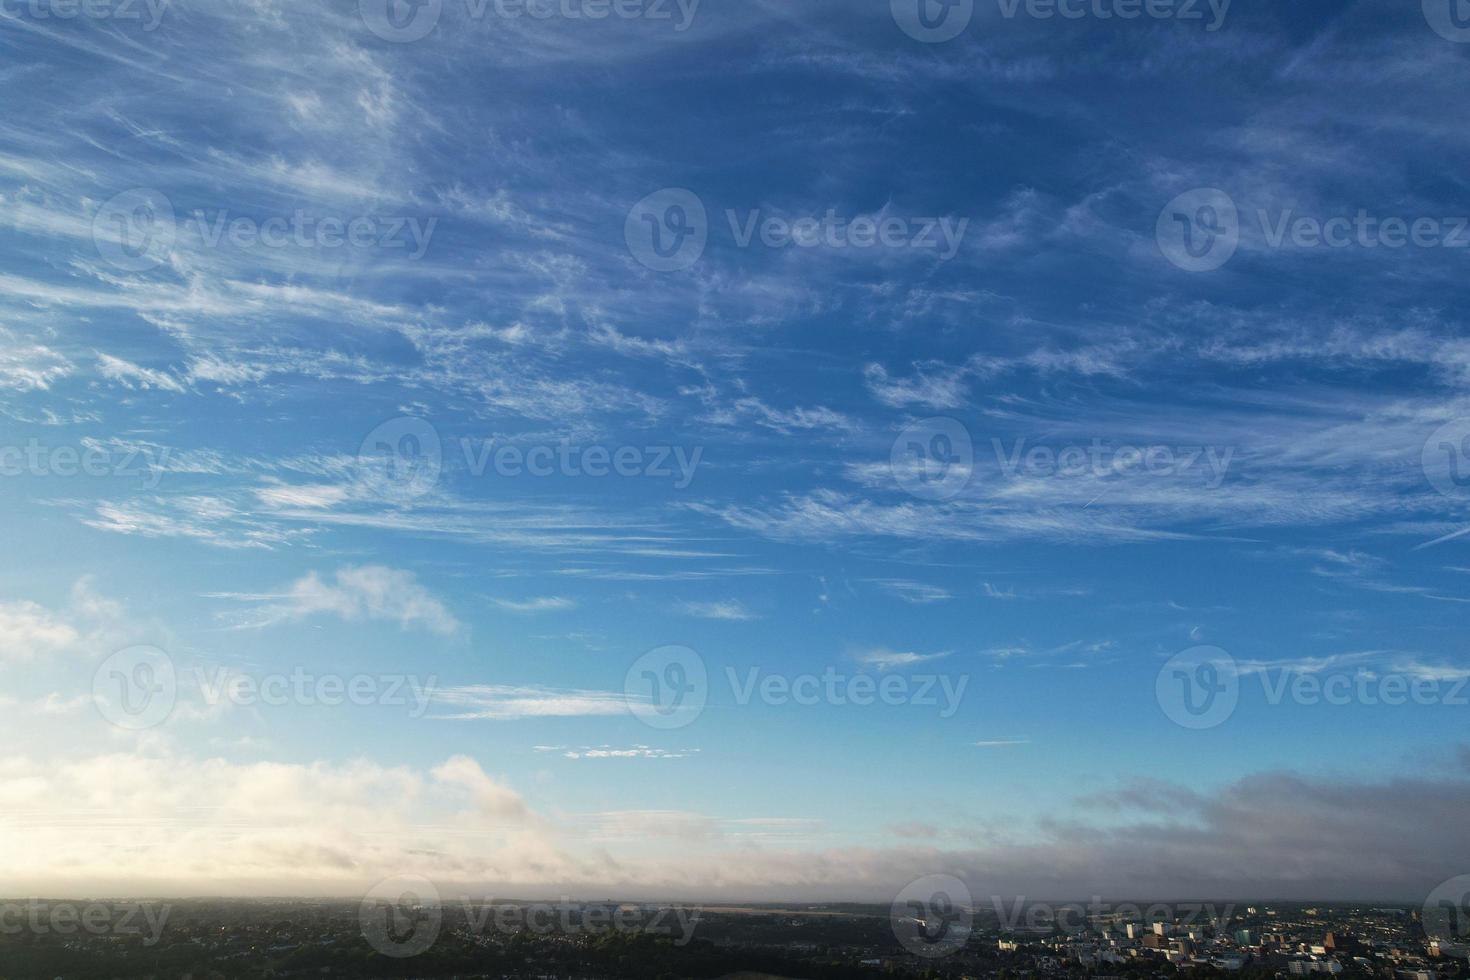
(1298, 411)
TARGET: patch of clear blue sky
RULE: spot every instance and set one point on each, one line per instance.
(1322, 371)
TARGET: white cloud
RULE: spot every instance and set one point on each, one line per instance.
(917, 593)
(536, 604)
(87, 623)
(28, 366)
(505, 703)
(490, 798)
(888, 659)
(61, 704)
(608, 752)
(29, 630)
(372, 592)
(316, 495)
(935, 386)
(728, 609)
(133, 375)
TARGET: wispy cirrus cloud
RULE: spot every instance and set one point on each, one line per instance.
(1003, 742)
(610, 752)
(29, 366)
(355, 593)
(891, 659)
(536, 604)
(916, 593)
(727, 609)
(504, 702)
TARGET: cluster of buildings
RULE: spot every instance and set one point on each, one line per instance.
(1388, 944)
